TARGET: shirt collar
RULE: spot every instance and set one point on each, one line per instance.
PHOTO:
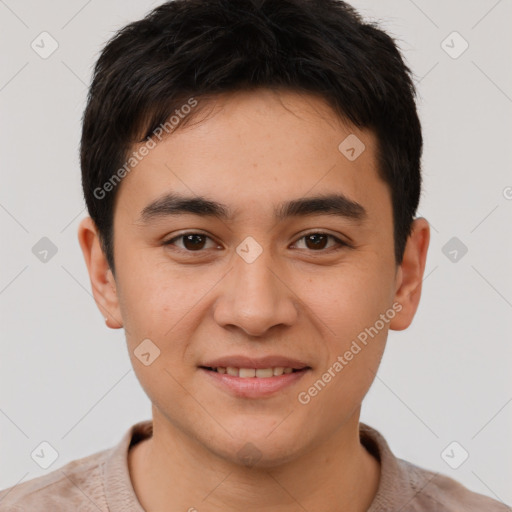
(394, 489)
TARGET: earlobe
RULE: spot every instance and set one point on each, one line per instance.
(100, 275)
(113, 323)
(410, 274)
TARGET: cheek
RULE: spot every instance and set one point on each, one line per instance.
(353, 341)
(155, 299)
(349, 303)
(157, 310)
(349, 298)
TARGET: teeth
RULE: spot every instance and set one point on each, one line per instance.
(246, 373)
(264, 372)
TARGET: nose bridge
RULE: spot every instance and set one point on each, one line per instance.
(252, 297)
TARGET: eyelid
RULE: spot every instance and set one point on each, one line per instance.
(340, 242)
(186, 233)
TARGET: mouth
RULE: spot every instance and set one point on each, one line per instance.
(254, 378)
(258, 373)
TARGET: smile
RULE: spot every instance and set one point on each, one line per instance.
(259, 373)
(253, 383)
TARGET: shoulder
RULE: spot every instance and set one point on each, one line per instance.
(408, 487)
(77, 486)
(435, 491)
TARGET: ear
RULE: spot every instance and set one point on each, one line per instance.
(410, 274)
(102, 280)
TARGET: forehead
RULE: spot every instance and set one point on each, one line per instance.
(255, 149)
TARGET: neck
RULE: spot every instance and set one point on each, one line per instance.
(170, 468)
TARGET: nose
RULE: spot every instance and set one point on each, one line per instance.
(255, 297)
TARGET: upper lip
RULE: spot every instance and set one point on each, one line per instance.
(239, 361)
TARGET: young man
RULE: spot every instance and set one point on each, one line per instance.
(252, 172)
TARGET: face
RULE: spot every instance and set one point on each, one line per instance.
(261, 277)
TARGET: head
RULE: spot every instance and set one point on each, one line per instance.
(252, 172)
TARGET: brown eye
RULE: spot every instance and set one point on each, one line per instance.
(191, 242)
(316, 241)
(319, 241)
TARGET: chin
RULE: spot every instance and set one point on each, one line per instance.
(259, 447)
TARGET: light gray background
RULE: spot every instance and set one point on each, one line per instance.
(66, 379)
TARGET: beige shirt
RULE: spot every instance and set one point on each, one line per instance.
(101, 483)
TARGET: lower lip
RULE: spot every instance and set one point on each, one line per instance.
(253, 387)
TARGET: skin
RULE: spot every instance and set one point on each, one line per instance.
(254, 151)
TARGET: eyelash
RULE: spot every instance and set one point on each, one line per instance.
(341, 243)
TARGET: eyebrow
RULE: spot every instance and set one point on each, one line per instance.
(173, 204)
